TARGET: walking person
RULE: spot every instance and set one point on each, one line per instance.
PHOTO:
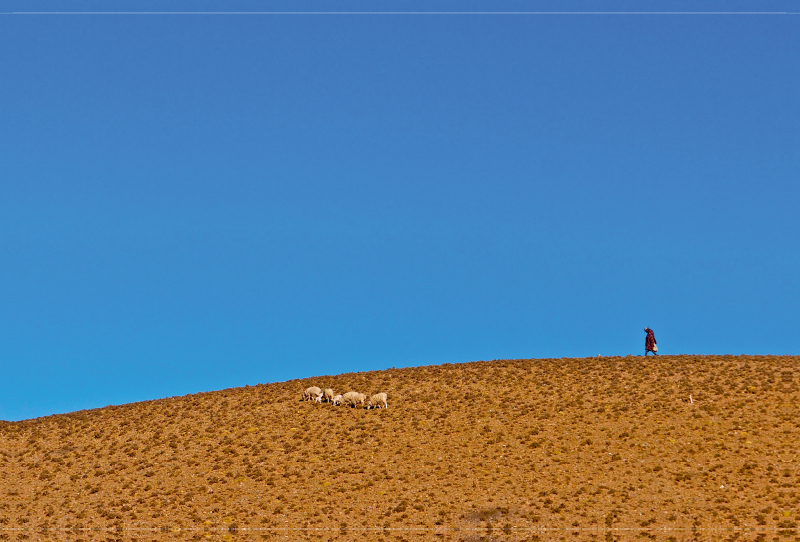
(650, 342)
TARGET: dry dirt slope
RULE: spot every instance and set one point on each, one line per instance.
(597, 444)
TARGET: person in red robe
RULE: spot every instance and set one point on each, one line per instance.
(650, 342)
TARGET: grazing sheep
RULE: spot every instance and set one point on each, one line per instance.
(352, 398)
(378, 401)
(349, 397)
(317, 398)
(362, 399)
(327, 395)
(337, 399)
(311, 392)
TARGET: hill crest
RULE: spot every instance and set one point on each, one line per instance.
(682, 442)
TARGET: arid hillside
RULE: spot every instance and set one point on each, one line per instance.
(600, 448)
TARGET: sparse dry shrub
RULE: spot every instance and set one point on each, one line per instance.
(657, 442)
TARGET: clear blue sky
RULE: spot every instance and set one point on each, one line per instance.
(194, 202)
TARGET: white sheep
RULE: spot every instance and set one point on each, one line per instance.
(327, 395)
(317, 398)
(352, 398)
(378, 401)
(349, 397)
(311, 392)
(337, 399)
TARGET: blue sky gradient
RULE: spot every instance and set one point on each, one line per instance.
(194, 202)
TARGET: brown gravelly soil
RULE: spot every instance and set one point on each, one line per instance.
(600, 448)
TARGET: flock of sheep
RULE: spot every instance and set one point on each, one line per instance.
(351, 398)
